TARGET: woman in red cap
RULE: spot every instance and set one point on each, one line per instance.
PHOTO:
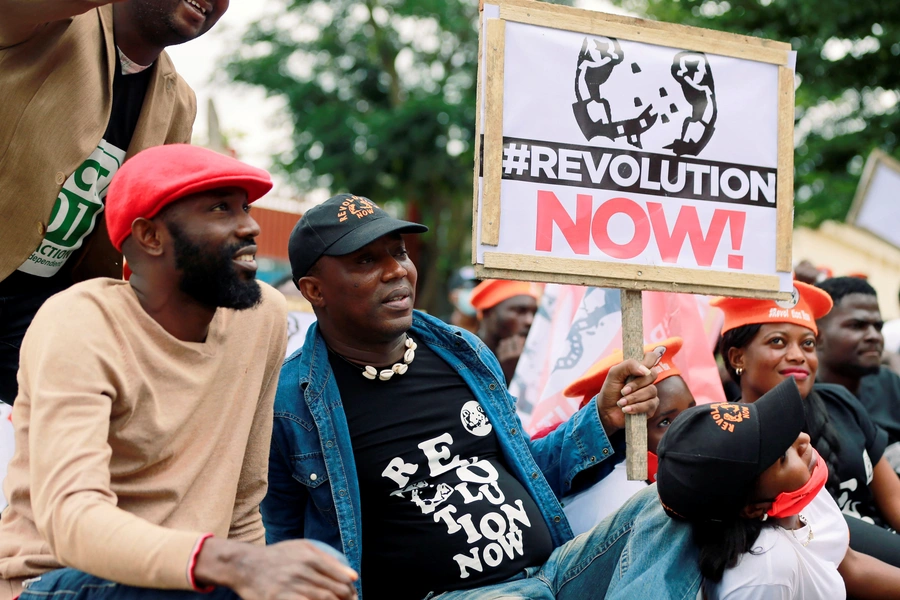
(765, 342)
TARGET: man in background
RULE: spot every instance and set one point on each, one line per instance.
(850, 347)
(459, 294)
(506, 311)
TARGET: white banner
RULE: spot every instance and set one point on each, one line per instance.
(626, 152)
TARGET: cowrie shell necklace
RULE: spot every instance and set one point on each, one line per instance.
(370, 372)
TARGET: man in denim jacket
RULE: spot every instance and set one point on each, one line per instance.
(392, 422)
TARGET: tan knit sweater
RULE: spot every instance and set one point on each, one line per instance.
(131, 444)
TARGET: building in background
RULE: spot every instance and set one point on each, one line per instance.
(847, 250)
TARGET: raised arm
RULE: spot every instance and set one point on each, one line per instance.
(591, 433)
(22, 18)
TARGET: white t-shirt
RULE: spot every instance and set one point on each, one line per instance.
(781, 568)
(891, 333)
(586, 509)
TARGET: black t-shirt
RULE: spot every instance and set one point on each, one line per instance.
(440, 510)
(880, 394)
(862, 444)
(127, 102)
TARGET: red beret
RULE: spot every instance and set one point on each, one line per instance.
(808, 304)
(156, 177)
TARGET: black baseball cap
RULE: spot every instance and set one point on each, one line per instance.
(340, 225)
(712, 455)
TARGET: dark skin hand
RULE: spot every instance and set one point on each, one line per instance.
(620, 397)
(508, 352)
(806, 272)
(292, 570)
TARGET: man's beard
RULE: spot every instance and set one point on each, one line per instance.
(210, 277)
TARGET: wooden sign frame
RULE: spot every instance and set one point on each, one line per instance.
(611, 274)
(877, 158)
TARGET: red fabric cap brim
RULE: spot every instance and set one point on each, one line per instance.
(589, 384)
(491, 292)
(812, 304)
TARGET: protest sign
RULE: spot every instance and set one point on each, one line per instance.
(877, 201)
(633, 154)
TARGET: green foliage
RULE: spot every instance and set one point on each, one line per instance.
(382, 99)
(847, 61)
(381, 94)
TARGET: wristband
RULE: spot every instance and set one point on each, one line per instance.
(192, 564)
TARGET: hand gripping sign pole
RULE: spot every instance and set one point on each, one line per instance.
(622, 153)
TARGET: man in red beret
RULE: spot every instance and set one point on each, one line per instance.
(506, 311)
(146, 406)
(85, 85)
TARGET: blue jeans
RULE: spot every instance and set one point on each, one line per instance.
(637, 552)
(71, 584)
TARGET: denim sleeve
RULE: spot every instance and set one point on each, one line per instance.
(285, 502)
(578, 447)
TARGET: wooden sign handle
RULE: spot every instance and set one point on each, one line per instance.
(633, 347)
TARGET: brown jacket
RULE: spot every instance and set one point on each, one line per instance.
(55, 103)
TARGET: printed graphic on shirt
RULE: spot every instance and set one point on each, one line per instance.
(464, 498)
(849, 506)
(870, 471)
(75, 213)
(474, 419)
(846, 502)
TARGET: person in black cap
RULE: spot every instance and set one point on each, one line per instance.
(396, 441)
(753, 487)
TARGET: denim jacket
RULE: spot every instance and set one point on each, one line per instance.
(313, 488)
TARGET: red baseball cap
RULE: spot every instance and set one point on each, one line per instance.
(154, 178)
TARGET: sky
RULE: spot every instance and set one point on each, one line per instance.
(257, 127)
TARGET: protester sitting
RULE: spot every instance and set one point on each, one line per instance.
(766, 342)
(145, 408)
(586, 509)
(506, 311)
(397, 443)
(752, 486)
(850, 345)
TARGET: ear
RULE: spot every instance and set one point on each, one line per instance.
(148, 236)
(311, 288)
(736, 357)
(756, 510)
